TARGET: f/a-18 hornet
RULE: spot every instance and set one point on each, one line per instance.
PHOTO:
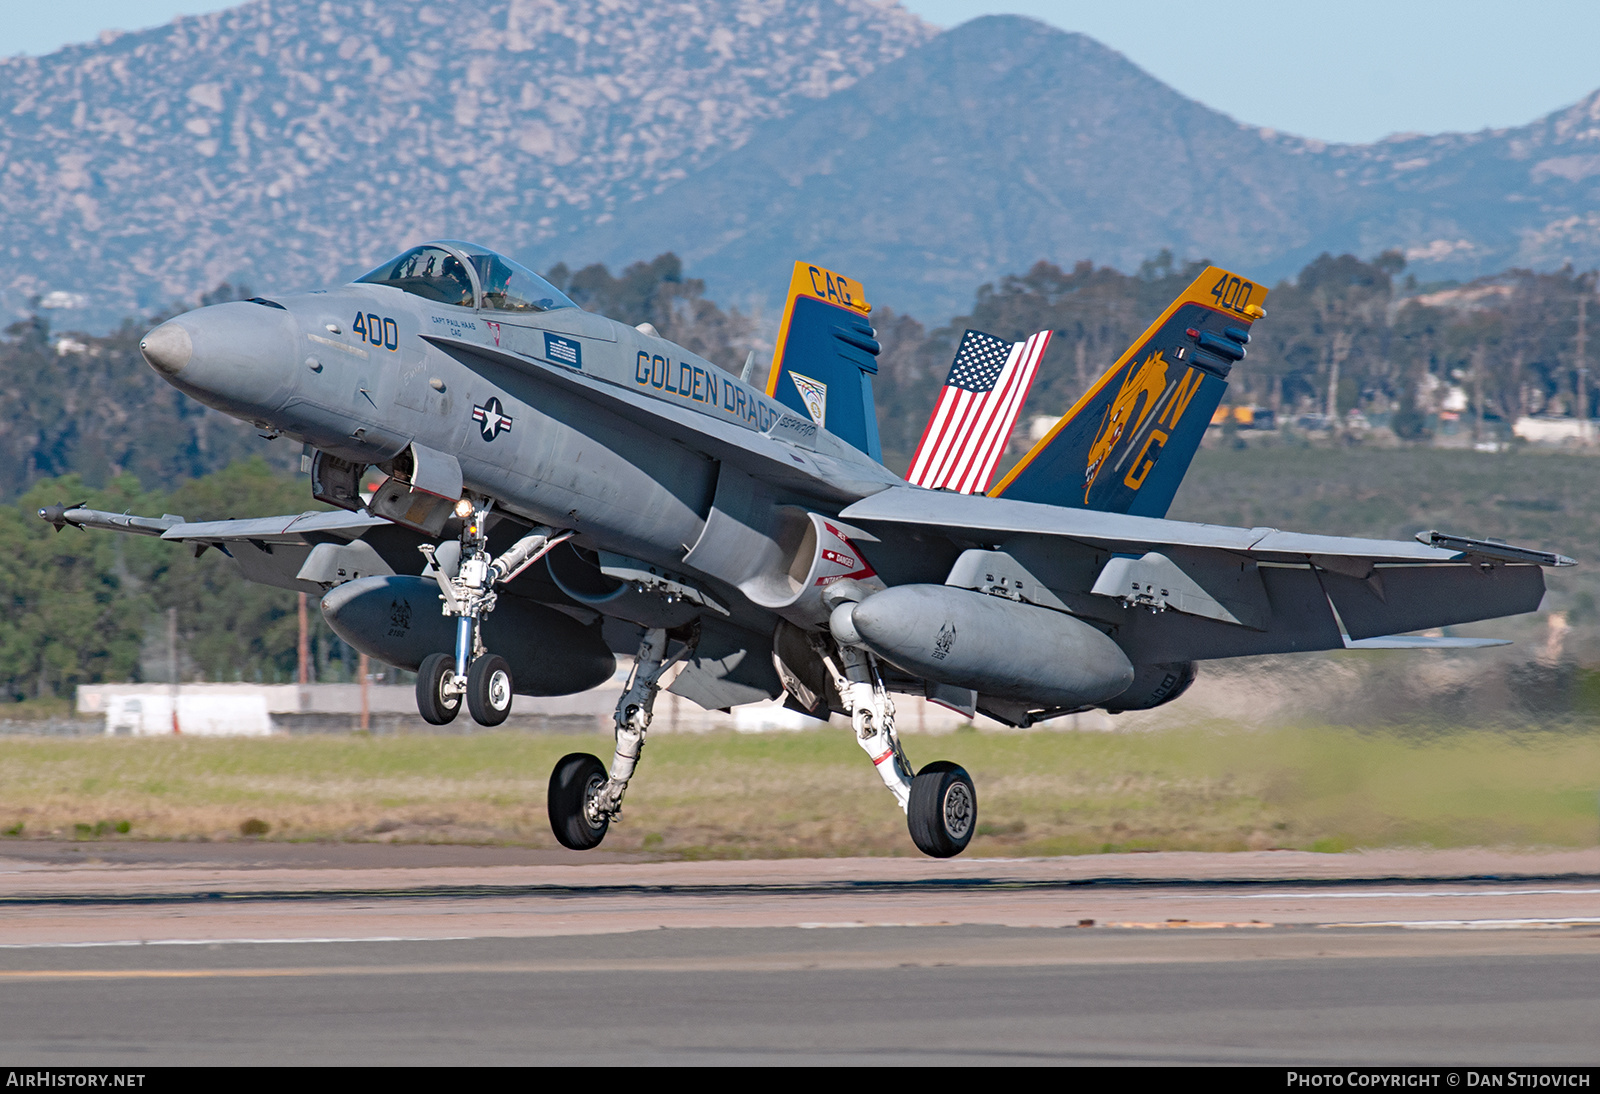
(560, 488)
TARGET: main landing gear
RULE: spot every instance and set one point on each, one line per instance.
(467, 578)
(940, 802)
(584, 796)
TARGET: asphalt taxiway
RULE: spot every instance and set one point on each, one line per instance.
(126, 954)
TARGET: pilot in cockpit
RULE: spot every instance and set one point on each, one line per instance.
(429, 272)
(452, 274)
(496, 276)
(436, 273)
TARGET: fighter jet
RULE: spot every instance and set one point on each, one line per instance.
(558, 488)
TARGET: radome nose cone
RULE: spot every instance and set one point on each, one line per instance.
(167, 348)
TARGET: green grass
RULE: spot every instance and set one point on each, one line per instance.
(731, 796)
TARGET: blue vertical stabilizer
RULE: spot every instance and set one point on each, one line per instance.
(827, 355)
(1125, 446)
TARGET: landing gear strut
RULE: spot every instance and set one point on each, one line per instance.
(940, 802)
(584, 797)
(467, 586)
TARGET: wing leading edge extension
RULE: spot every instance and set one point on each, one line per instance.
(1124, 447)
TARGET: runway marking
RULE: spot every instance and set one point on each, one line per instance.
(1184, 924)
(1319, 888)
(852, 924)
(135, 942)
(1478, 924)
(1412, 895)
(1070, 948)
(294, 971)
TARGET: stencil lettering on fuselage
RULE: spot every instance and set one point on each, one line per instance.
(703, 386)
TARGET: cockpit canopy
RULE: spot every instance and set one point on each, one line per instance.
(466, 275)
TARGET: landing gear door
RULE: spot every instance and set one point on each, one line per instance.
(337, 482)
(421, 491)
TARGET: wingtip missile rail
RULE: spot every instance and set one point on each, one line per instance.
(79, 516)
(1491, 549)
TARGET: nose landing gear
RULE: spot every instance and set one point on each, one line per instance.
(481, 678)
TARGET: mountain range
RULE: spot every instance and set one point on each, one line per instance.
(293, 143)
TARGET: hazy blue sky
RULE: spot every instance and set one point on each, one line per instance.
(1355, 70)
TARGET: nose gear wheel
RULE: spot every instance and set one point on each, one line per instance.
(436, 702)
(489, 690)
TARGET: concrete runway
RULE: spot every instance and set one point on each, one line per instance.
(144, 954)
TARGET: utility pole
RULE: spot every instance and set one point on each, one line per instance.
(303, 648)
(1477, 395)
(366, 676)
(303, 656)
(172, 665)
(1583, 374)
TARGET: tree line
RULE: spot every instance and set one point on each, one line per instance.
(91, 606)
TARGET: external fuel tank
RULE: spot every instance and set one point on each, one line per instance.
(397, 620)
(996, 647)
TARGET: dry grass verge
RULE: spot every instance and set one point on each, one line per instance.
(730, 796)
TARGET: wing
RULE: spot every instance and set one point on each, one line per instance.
(306, 552)
(1171, 591)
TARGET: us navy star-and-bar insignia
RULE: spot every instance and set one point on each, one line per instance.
(815, 395)
(492, 419)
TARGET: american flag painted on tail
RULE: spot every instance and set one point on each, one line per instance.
(984, 393)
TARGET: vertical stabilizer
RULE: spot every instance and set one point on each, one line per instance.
(827, 355)
(1125, 446)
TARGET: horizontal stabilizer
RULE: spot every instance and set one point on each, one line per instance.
(1421, 642)
(1125, 446)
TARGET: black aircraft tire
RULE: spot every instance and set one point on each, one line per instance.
(943, 812)
(489, 689)
(576, 779)
(435, 707)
